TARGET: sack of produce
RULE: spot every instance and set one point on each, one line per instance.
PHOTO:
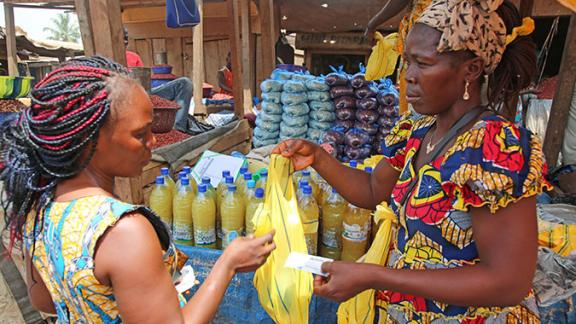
(387, 122)
(321, 105)
(358, 80)
(388, 111)
(273, 97)
(259, 143)
(356, 137)
(337, 78)
(380, 137)
(317, 84)
(271, 85)
(334, 135)
(387, 94)
(320, 125)
(371, 129)
(346, 124)
(345, 114)
(294, 86)
(341, 91)
(323, 116)
(267, 126)
(367, 91)
(289, 131)
(270, 118)
(384, 131)
(295, 121)
(265, 135)
(367, 116)
(300, 109)
(345, 102)
(286, 137)
(271, 108)
(319, 96)
(289, 98)
(358, 153)
(367, 103)
(302, 77)
(279, 74)
(314, 134)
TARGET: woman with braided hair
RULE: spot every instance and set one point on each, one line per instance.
(91, 258)
(460, 179)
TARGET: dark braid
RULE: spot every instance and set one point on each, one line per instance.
(517, 68)
(55, 138)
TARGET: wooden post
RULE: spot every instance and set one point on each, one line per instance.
(83, 12)
(526, 8)
(246, 49)
(268, 36)
(11, 51)
(198, 61)
(236, 56)
(561, 105)
(108, 33)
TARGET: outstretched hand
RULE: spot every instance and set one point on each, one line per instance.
(302, 153)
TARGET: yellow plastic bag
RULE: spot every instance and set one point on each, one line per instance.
(570, 4)
(362, 308)
(560, 238)
(284, 293)
(384, 56)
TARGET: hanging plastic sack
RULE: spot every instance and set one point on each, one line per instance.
(361, 308)
(182, 13)
(382, 61)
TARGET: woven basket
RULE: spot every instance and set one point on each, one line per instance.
(163, 120)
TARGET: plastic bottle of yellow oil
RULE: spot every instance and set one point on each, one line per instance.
(253, 205)
(250, 191)
(355, 233)
(161, 202)
(333, 212)
(204, 215)
(188, 171)
(183, 230)
(233, 213)
(306, 176)
(165, 172)
(309, 215)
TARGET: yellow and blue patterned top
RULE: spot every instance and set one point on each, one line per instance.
(62, 243)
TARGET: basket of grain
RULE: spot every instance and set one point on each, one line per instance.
(164, 114)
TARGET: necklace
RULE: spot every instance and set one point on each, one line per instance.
(430, 147)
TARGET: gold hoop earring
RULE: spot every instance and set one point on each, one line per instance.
(466, 95)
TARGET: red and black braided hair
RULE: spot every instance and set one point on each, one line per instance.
(55, 138)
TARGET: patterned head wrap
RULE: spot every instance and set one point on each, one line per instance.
(469, 25)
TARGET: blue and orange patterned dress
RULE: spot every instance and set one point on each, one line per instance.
(493, 164)
(62, 245)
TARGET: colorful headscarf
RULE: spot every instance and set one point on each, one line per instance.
(469, 25)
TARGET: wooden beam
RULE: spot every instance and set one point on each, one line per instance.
(108, 33)
(236, 56)
(561, 105)
(83, 12)
(268, 37)
(198, 76)
(11, 40)
(526, 8)
(246, 56)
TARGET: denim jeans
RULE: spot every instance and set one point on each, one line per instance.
(180, 91)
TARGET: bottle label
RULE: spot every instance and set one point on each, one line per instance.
(229, 236)
(330, 238)
(183, 232)
(355, 233)
(203, 237)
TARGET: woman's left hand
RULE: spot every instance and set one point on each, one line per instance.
(345, 280)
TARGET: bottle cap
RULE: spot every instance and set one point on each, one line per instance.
(334, 190)
(307, 190)
(251, 184)
(306, 173)
(232, 188)
(247, 176)
(229, 180)
(368, 169)
(183, 175)
(243, 170)
(206, 180)
(256, 177)
(187, 169)
(202, 188)
(302, 183)
(264, 173)
(159, 180)
(353, 163)
(259, 193)
(164, 171)
(185, 182)
(225, 173)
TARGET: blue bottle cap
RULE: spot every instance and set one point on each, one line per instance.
(264, 173)
(247, 176)
(206, 180)
(302, 183)
(232, 188)
(353, 163)
(259, 193)
(229, 180)
(368, 169)
(243, 170)
(251, 184)
(187, 169)
(307, 190)
(164, 171)
(183, 175)
(334, 190)
(185, 182)
(202, 188)
(306, 173)
(160, 180)
(225, 173)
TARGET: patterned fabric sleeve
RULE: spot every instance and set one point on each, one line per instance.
(496, 165)
(394, 146)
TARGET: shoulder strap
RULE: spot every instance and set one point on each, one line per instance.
(463, 121)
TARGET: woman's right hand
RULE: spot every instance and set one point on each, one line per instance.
(302, 153)
(246, 254)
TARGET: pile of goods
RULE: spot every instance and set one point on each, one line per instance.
(267, 131)
(322, 114)
(11, 106)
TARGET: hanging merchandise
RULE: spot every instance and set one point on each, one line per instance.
(182, 13)
(382, 61)
(284, 293)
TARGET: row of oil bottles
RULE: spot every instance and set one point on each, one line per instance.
(204, 216)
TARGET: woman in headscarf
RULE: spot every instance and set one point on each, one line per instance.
(466, 245)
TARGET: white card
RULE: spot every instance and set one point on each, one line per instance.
(306, 262)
